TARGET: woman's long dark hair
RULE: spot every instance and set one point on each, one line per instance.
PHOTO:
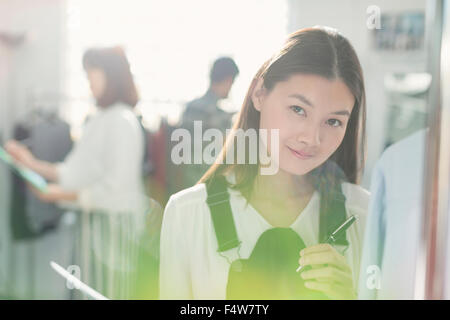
(120, 85)
(318, 51)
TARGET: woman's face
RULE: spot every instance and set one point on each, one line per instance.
(311, 113)
(97, 81)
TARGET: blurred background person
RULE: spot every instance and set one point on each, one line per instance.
(103, 175)
(206, 109)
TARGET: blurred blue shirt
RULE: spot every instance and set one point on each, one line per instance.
(393, 225)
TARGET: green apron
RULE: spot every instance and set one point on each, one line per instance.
(269, 272)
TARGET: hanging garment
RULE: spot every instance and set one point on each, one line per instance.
(394, 222)
(48, 138)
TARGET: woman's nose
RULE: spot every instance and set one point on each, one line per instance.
(310, 135)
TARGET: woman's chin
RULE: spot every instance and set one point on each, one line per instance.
(296, 170)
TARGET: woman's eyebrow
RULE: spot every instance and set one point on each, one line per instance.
(302, 98)
(342, 113)
(309, 103)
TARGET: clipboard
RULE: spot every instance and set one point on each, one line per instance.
(29, 175)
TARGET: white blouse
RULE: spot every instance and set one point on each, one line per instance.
(105, 165)
(191, 267)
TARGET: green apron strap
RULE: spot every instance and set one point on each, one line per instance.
(222, 217)
(332, 214)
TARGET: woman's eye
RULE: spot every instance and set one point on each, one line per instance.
(298, 110)
(335, 123)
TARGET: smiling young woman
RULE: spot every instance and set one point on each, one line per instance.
(241, 234)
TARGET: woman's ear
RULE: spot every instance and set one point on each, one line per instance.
(258, 94)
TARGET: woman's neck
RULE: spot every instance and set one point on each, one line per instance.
(281, 198)
(283, 186)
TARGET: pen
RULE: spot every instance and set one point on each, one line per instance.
(337, 233)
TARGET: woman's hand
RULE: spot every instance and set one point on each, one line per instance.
(20, 153)
(330, 273)
(24, 157)
(53, 193)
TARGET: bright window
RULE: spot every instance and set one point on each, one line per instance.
(171, 46)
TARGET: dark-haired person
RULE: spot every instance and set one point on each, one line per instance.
(240, 234)
(102, 173)
(206, 109)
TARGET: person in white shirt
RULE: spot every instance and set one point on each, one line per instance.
(312, 91)
(102, 174)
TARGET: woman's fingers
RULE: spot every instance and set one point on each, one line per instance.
(18, 151)
(316, 248)
(54, 193)
(332, 290)
(325, 258)
(45, 197)
(328, 274)
(329, 271)
(11, 147)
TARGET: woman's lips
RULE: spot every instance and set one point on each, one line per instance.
(300, 154)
